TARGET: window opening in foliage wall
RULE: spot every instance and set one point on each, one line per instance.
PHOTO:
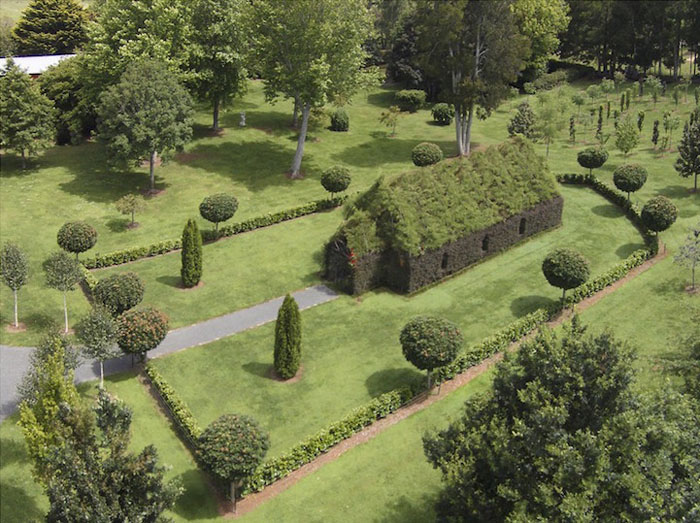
(445, 260)
(485, 243)
(522, 226)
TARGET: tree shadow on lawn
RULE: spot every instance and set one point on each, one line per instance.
(607, 210)
(15, 498)
(170, 281)
(13, 451)
(523, 305)
(118, 224)
(623, 251)
(11, 166)
(416, 509)
(387, 380)
(384, 98)
(383, 150)
(260, 369)
(197, 501)
(676, 192)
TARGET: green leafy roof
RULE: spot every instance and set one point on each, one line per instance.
(428, 207)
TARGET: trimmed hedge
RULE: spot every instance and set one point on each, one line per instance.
(410, 99)
(426, 153)
(165, 246)
(181, 413)
(313, 446)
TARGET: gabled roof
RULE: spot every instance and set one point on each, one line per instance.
(35, 64)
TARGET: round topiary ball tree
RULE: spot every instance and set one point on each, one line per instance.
(191, 270)
(592, 158)
(658, 214)
(429, 342)
(443, 113)
(232, 447)
(288, 339)
(140, 330)
(630, 178)
(218, 208)
(76, 237)
(426, 153)
(565, 269)
(336, 179)
(118, 293)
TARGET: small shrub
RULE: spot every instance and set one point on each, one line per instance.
(550, 80)
(335, 179)
(218, 208)
(340, 121)
(523, 122)
(659, 213)
(565, 269)
(191, 269)
(128, 205)
(287, 354)
(443, 113)
(592, 158)
(76, 237)
(410, 99)
(140, 330)
(630, 178)
(426, 153)
(119, 292)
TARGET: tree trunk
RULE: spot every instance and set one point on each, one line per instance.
(296, 164)
(65, 311)
(233, 496)
(467, 137)
(132, 217)
(215, 123)
(14, 291)
(563, 296)
(695, 188)
(152, 164)
(295, 115)
(428, 380)
(24, 160)
(459, 123)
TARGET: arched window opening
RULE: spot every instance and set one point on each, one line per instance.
(522, 225)
(445, 260)
(485, 243)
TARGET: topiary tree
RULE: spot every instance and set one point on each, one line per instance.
(129, 204)
(565, 269)
(63, 274)
(428, 342)
(288, 339)
(688, 162)
(76, 237)
(335, 179)
(630, 178)
(592, 158)
(97, 331)
(141, 330)
(410, 99)
(232, 447)
(191, 270)
(14, 268)
(523, 122)
(426, 153)
(340, 121)
(443, 113)
(659, 213)
(118, 293)
(218, 208)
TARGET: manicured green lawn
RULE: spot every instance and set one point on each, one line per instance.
(351, 351)
(239, 271)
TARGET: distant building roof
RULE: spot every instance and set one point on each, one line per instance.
(35, 64)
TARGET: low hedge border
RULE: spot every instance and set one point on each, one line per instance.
(136, 253)
(88, 278)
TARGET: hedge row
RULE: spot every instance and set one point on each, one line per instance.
(181, 414)
(313, 446)
(165, 246)
(88, 278)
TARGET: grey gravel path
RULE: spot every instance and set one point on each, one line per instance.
(14, 361)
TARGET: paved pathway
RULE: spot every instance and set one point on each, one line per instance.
(14, 361)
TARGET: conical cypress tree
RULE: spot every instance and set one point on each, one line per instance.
(191, 270)
(288, 339)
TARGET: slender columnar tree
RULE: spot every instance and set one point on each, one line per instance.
(14, 268)
(288, 339)
(63, 273)
(191, 270)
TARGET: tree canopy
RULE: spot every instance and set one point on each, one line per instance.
(50, 27)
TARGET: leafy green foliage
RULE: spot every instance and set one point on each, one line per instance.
(340, 121)
(688, 162)
(410, 99)
(426, 153)
(336, 179)
(288, 339)
(659, 213)
(140, 330)
(50, 27)
(689, 253)
(147, 113)
(97, 332)
(626, 136)
(629, 178)
(14, 266)
(523, 122)
(390, 118)
(119, 292)
(191, 270)
(27, 123)
(541, 21)
(428, 342)
(561, 405)
(76, 237)
(62, 272)
(129, 204)
(443, 113)
(565, 269)
(422, 209)
(592, 158)
(218, 208)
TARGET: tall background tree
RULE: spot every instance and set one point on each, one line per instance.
(14, 268)
(146, 115)
(476, 49)
(50, 27)
(688, 162)
(310, 51)
(218, 52)
(27, 123)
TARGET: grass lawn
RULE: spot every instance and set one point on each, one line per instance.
(351, 351)
(23, 500)
(239, 271)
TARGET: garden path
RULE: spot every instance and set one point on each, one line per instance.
(14, 361)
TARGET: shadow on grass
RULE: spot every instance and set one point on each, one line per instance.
(383, 150)
(257, 368)
(409, 510)
(623, 251)
(17, 505)
(523, 305)
(676, 192)
(383, 98)
(197, 501)
(170, 281)
(118, 224)
(607, 210)
(13, 451)
(389, 379)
